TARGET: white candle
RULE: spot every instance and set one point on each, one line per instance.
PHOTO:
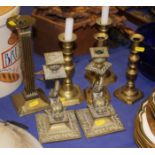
(69, 29)
(105, 15)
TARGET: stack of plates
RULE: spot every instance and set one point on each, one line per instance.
(145, 124)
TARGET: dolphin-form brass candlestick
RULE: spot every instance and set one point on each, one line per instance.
(31, 99)
(100, 117)
(129, 93)
(70, 94)
(56, 123)
(97, 66)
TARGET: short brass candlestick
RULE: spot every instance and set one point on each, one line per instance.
(99, 118)
(31, 99)
(129, 93)
(57, 123)
(70, 94)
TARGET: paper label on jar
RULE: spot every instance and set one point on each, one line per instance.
(10, 56)
(9, 71)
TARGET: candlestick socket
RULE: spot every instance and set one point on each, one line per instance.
(101, 36)
(137, 38)
(61, 38)
(98, 22)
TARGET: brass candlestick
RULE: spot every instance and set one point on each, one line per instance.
(31, 99)
(97, 66)
(100, 117)
(102, 37)
(129, 93)
(70, 94)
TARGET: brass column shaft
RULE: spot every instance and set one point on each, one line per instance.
(28, 66)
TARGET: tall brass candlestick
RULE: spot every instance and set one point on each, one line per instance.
(70, 94)
(31, 99)
(129, 93)
(102, 38)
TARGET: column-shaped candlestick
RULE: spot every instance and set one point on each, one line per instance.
(70, 94)
(129, 93)
(31, 99)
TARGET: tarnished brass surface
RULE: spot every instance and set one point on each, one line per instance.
(129, 93)
(59, 131)
(31, 99)
(25, 107)
(19, 22)
(110, 77)
(98, 67)
(56, 123)
(99, 126)
(70, 94)
(89, 95)
(100, 117)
